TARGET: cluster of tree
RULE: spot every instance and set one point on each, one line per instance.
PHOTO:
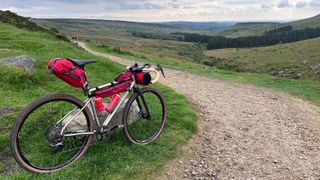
(277, 36)
(156, 36)
(281, 30)
(254, 23)
(193, 37)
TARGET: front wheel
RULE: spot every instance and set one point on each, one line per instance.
(145, 116)
(36, 140)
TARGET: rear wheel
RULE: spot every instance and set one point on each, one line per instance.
(145, 116)
(36, 140)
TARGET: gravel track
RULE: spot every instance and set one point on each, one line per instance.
(245, 132)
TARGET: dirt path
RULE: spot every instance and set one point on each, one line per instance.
(245, 132)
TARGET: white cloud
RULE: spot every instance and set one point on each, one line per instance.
(284, 4)
(166, 10)
(301, 4)
(315, 4)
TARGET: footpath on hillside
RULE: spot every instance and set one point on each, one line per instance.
(245, 132)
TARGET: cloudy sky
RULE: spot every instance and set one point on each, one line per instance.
(166, 10)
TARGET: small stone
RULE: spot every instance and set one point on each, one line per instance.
(193, 173)
(181, 162)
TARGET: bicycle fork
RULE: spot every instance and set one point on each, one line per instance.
(145, 115)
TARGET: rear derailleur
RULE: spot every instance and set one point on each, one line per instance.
(54, 137)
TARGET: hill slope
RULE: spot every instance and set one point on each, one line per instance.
(244, 30)
(304, 23)
(9, 17)
(294, 59)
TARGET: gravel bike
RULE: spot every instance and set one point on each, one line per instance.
(44, 137)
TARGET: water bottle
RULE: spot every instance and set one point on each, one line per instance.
(113, 103)
(99, 104)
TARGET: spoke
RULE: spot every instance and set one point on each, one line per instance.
(39, 130)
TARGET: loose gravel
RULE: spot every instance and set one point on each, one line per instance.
(245, 132)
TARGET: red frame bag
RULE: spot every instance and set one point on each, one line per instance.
(113, 89)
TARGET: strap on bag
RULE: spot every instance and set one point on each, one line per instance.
(70, 73)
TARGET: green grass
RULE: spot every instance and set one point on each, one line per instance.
(308, 90)
(116, 158)
(299, 55)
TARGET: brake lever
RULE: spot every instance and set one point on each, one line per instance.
(147, 65)
(159, 68)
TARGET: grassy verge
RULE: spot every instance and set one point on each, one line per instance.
(308, 90)
(116, 158)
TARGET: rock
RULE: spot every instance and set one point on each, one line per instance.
(315, 68)
(193, 173)
(79, 122)
(25, 62)
(294, 73)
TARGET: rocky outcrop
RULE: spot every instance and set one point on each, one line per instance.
(295, 73)
(315, 68)
(25, 62)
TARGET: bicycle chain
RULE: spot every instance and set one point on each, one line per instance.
(92, 144)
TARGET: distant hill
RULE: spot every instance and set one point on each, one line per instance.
(19, 21)
(254, 28)
(255, 23)
(126, 28)
(310, 22)
(294, 60)
(12, 18)
(199, 25)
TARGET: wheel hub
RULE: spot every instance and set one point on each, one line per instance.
(53, 132)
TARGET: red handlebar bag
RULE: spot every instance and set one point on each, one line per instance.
(68, 72)
(143, 78)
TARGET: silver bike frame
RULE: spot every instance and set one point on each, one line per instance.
(94, 112)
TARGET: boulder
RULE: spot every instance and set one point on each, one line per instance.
(79, 122)
(25, 62)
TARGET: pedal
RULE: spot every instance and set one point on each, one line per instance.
(116, 127)
(103, 130)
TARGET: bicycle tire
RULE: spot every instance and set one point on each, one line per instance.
(126, 121)
(23, 117)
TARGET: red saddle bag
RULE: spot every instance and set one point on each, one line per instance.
(68, 72)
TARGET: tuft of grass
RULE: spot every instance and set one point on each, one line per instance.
(2, 167)
(114, 159)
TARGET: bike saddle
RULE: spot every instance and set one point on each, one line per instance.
(81, 63)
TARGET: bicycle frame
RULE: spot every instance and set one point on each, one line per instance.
(94, 112)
